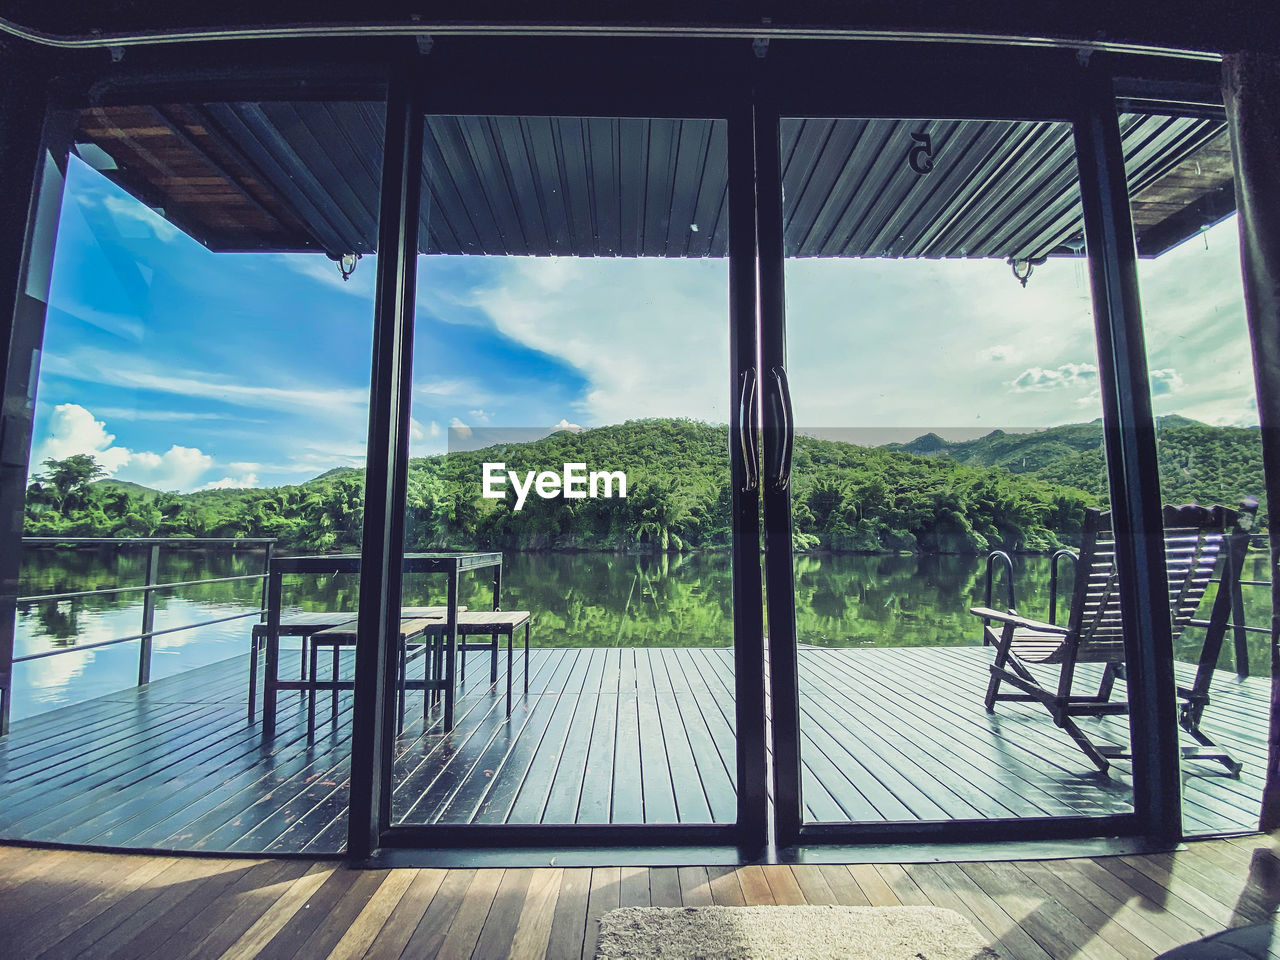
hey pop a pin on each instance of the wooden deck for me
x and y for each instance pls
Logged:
(614, 735)
(56, 905)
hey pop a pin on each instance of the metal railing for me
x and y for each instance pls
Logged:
(149, 588)
(1239, 629)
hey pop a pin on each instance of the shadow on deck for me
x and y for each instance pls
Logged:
(605, 735)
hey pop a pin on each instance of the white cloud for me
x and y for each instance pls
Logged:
(650, 336)
(318, 267)
(331, 455)
(121, 325)
(930, 345)
(139, 215)
(458, 427)
(231, 483)
(554, 274)
(163, 416)
(1165, 381)
(72, 429)
(426, 390)
(1195, 330)
(424, 438)
(1000, 353)
(1067, 375)
(127, 370)
(178, 468)
(480, 415)
(564, 424)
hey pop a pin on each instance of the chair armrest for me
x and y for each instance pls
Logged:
(1004, 616)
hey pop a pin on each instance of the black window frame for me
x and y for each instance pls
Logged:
(751, 86)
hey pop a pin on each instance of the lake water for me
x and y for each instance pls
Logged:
(581, 599)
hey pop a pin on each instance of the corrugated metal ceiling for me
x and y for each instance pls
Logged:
(304, 176)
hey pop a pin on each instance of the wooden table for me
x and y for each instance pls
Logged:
(452, 565)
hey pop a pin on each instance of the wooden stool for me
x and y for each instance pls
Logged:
(295, 625)
(345, 636)
(493, 624)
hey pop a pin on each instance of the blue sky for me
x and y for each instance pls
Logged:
(182, 369)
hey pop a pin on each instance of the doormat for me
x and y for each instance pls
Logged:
(789, 933)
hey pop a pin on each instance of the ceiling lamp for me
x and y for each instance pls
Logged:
(1023, 267)
(346, 263)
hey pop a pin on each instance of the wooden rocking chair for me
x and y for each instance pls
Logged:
(1195, 538)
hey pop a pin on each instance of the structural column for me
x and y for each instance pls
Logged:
(1251, 93)
(744, 469)
(386, 471)
(29, 207)
(776, 495)
(1133, 470)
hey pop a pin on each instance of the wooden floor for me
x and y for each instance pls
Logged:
(613, 735)
(60, 904)
(900, 734)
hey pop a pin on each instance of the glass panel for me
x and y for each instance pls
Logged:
(571, 343)
(943, 366)
(201, 406)
(1202, 387)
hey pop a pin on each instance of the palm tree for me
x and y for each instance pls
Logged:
(662, 514)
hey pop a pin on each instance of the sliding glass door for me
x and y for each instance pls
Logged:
(934, 393)
(582, 345)
(937, 401)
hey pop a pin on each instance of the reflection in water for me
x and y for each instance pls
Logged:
(577, 599)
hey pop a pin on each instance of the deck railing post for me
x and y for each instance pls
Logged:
(266, 575)
(148, 613)
(1239, 635)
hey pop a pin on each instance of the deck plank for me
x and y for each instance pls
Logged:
(619, 735)
(655, 770)
(210, 909)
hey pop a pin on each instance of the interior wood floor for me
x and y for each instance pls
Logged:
(605, 736)
(58, 904)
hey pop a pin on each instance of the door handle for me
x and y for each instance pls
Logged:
(746, 431)
(782, 475)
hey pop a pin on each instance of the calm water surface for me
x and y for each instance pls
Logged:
(597, 600)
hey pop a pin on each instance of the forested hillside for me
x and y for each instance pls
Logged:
(1015, 491)
(1197, 462)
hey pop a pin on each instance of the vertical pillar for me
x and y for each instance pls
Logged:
(744, 472)
(267, 552)
(386, 471)
(1130, 443)
(29, 207)
(148, 614)
(1251, 92)
(784, 667)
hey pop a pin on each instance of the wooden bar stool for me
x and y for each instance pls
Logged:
(335, 638)
(484, 623)
(302, 624)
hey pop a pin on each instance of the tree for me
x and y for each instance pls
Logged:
(65, 484)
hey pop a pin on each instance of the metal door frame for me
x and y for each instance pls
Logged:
(458, 79)
(821, 80)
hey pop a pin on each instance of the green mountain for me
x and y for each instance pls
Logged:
(128, 488)
(1015, 452)
(1015, 491)
(1198, 462)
